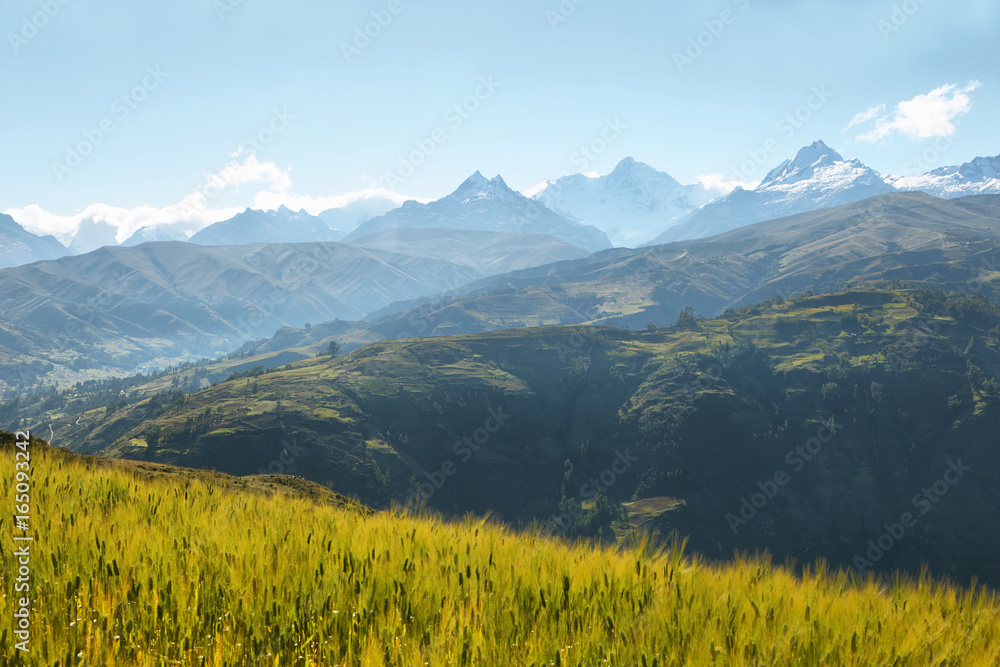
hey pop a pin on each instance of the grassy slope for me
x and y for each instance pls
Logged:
(132, 569)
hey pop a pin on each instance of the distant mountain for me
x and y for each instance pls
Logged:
(489, 252)
(817, 177)
(19, 246)
(349, 217)
(121, 307)
(912, 237)
(487, 205)
(632, 204)
(278, 226)
(154, 234)
(981, 176)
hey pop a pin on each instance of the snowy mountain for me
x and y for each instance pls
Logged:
(817, 177)
(981, 176)
(632, 204)
(487, 205)
(279, 226)
(154, 234)
(19, 246)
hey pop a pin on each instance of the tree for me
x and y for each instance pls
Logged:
(687, 319)
(333, 349)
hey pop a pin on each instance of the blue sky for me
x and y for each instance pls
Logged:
(538, 81)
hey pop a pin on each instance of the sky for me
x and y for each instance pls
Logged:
(151, 112)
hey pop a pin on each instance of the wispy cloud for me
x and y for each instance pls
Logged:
(717, 184)
(925, 116)
(866, 115)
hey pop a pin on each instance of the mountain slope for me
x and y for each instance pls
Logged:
(632, 204)
(487, 205)
(897, 383)
(18, 246)
(899, 236)
(817, 177)
(488, 252)
(279, 226)
(910, 237)
(124, 306)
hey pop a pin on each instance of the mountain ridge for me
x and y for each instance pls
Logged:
(491, 205)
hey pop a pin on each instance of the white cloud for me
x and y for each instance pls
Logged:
(866, 115)
(200, 208)
(268, 200)
(716, 184)
(924, 117)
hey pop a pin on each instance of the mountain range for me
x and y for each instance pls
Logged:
(488, 205)
(122, 308)
(909, 237)
(981, 176)
(634, 204)
(19, 246)
(279, 226)
(817, 177)
(897, 236)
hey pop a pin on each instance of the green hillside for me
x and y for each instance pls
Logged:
(177, 567)
(570, 426)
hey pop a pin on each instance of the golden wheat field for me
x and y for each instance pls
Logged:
(132, 568)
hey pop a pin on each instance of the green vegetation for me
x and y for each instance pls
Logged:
(139, 566)
(708, 411)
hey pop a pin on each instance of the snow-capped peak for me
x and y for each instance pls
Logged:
(632, 174)
(804, 165)
(626, 164)
(478, 186)
(979, 169)
(630, 204)
(817, 177)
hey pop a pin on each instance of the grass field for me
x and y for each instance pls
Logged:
(149, 565)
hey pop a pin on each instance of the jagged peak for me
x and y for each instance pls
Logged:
(805, 163)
